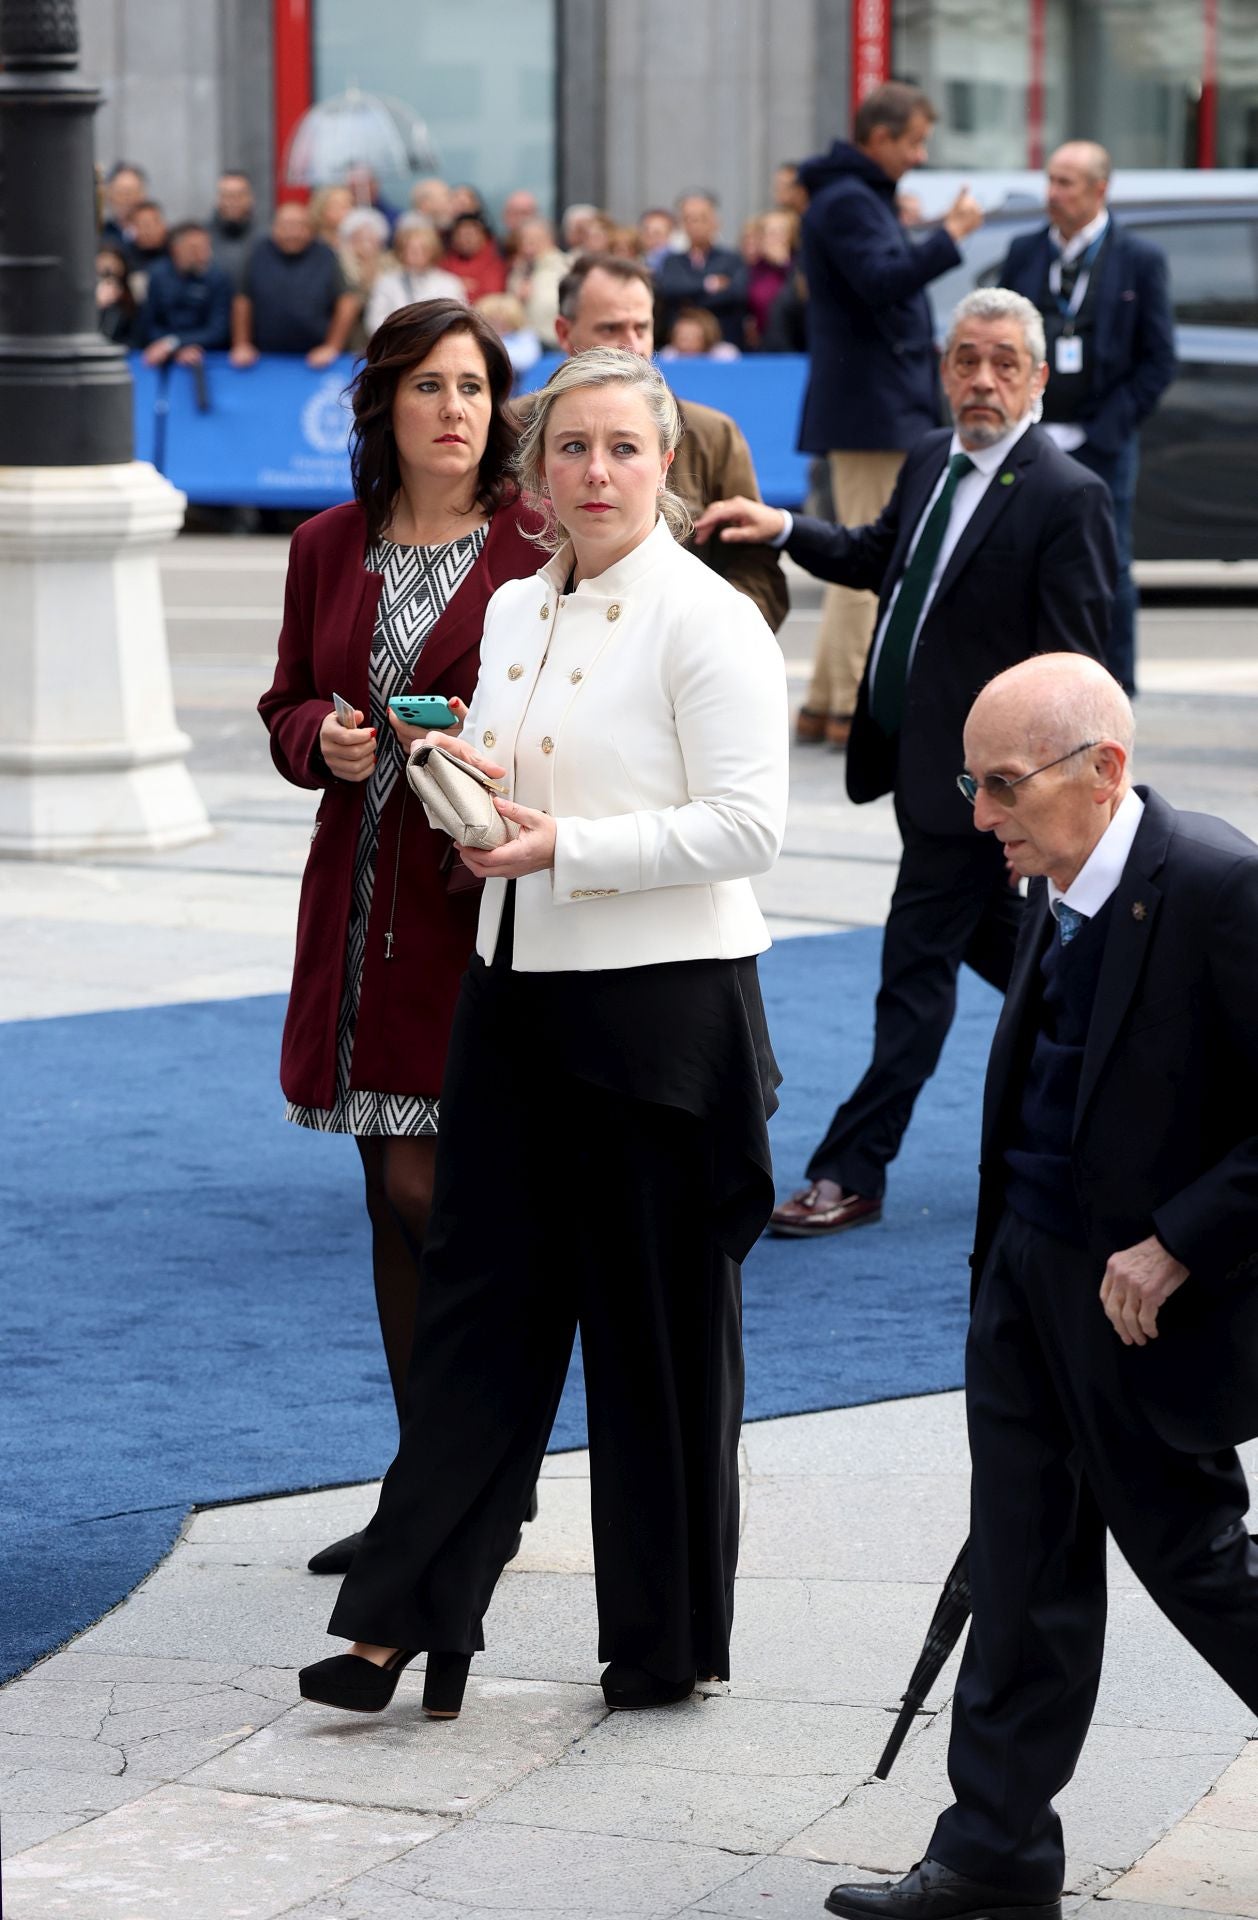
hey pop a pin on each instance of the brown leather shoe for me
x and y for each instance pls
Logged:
(838, 730)
(810, 727)
(822, 1207)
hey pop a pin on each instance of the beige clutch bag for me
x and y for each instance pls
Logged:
(458, 799)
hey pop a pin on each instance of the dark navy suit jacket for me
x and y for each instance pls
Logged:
(195, 306)
(872, 382)
(1166, 1124)
(1033, 572)
(1133, 341)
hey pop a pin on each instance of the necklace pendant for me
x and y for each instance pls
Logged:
(388, 945)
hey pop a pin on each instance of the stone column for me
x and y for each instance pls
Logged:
(90, 757)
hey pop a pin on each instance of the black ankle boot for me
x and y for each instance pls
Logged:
(336, 1558)
(626, 1688)
(350, 1682)
(444, 1681)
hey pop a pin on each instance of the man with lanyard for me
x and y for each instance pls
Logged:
(1105, 301)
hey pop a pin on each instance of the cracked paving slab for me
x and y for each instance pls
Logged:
(133, 1779)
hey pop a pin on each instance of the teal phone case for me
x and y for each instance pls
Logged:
(423, 710)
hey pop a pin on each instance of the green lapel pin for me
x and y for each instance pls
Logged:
(1006, 479)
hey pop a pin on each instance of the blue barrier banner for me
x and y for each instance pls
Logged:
(764, 393)
(271, 435)
(276, 434)
(147, 383)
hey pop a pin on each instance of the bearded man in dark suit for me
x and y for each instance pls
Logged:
(994, 546)
(1112, 1361)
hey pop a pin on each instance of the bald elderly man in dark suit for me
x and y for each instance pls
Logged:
(1112, 1361)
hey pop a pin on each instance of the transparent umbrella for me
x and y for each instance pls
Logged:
(357, 129)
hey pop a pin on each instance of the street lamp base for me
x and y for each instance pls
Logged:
(91, 760)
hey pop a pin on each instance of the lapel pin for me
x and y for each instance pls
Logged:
(1006, 479)
(1138, 910)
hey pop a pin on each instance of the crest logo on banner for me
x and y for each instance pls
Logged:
(325, 418)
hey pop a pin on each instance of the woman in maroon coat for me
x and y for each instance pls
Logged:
(385, 596)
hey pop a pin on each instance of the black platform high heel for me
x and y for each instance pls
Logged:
(444, 1680)
(352, 1683)
(627, 1688)
(337, 1557)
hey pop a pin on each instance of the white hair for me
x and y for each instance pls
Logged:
(1001, 303)
(361, 219)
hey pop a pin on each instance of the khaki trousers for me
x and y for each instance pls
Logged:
(862, 484)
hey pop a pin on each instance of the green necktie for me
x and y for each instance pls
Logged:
(886, 702)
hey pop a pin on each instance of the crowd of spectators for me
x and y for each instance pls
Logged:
(327, 272)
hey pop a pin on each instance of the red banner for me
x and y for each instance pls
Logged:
(871, 47)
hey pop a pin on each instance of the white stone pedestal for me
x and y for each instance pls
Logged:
(91, 760)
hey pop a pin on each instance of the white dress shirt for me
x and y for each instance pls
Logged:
(1103, 868)
(1068, 433)
(970, 490)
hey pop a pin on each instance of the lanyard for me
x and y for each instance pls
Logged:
(1069, 308)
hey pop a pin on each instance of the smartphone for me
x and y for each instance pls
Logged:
(345, 710)
(423, 710)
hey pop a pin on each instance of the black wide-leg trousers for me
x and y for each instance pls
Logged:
(562, 1204)
(1062, 1450)
(952, 904)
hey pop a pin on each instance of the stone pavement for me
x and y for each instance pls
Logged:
(163, 1766)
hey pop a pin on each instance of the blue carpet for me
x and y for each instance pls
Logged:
(185, 1307)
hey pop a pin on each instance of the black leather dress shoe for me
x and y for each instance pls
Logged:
(931, 1891)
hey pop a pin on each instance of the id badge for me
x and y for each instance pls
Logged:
(1069, 357)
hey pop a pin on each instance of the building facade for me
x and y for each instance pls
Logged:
(628, 105)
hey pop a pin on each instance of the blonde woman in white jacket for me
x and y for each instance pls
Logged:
(603, 1162)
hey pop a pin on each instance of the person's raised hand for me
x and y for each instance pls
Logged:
(531, 851)
(963, 215)
(350, 752)
(740, 519)
(409, 735)
(1138, 1281)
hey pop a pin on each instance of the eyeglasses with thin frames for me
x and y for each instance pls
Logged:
(996, 787)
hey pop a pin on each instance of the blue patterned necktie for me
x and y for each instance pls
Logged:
(1068, 922)
(886, 695)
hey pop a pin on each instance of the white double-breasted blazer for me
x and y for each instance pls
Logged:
(646, 711)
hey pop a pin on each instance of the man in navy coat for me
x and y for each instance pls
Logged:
(994, 546)
(872, 391)
(1112, 1361)
(187, 309)
(1105, 299)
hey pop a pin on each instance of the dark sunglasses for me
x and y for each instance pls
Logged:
(996, 787)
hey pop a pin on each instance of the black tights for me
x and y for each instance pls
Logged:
(398, 1173)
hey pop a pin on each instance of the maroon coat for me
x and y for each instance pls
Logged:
(407, 1002)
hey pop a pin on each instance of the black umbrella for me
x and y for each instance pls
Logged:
(947, 1621)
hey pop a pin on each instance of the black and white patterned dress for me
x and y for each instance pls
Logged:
(419, 583)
